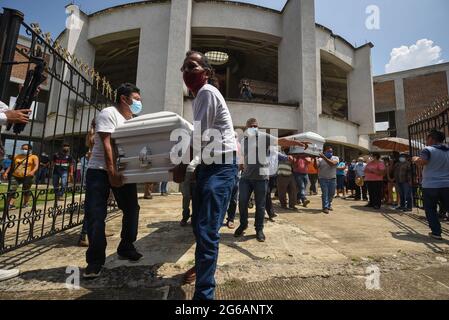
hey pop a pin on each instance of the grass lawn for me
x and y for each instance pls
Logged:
(50, 197)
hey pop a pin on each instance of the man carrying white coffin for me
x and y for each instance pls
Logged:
(102, 175)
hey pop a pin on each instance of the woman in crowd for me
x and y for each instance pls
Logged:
(374, 177)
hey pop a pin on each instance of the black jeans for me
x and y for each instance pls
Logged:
(313, 178)
(96, 205)
(431, 199)
(375, 193)
(246, 187)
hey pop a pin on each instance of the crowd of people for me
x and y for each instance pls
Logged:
(213, 192)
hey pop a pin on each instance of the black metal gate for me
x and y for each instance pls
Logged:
(436, 117)
(68, 100)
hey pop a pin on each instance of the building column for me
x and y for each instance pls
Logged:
(179, 42)
(401, 124)
(61, 100)
(361, 91)
(298, 62)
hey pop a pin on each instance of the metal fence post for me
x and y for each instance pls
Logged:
(9, 33)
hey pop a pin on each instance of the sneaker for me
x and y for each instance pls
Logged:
(436, 237)
(8, 274)
(399, 208)
(230, 225)
(83, 242)
(305, 203)
(408, 210)
(240, 231)
(326, 211)
(92, 271)
(260, 236)
(148, 197)
(293, 208)
(131, 255)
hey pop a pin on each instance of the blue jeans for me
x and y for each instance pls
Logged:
(431, 199)
(42, 175)
(96, 209)
(214, 184)
(234, 201)
(328, 187)
(260, 188)
(63, 176)
(405, 192)
(301, 181)
(164, 187)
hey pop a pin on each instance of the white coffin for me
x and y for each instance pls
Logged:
(316, 143)
(144, 146)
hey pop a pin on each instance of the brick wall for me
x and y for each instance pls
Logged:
(384, 96)
(420, 92)
(19, 71)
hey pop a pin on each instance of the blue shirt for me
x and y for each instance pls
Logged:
(359, 169)
(6, 163)
(436, 172)
(341, 172)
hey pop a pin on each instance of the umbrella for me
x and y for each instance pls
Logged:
(397, 144)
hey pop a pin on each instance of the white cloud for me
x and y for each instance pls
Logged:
(421, 54)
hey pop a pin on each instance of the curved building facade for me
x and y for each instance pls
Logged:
(302, 76)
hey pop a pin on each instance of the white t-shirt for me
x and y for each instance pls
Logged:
(211, 112)
(106, 122)
(3, 107)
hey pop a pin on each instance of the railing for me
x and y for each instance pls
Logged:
(436, 117)
(71, 101)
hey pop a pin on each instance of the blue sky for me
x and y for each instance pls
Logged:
(402, 24)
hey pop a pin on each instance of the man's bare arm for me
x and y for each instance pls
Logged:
(115, 178)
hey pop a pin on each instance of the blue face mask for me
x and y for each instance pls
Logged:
(329, 155)
(136, 107)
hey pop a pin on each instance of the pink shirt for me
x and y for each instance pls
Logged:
(369, 176)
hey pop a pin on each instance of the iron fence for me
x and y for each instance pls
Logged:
(62, 113)
(436, 117)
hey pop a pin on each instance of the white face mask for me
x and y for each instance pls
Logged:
(402, 160)
(252, 131)
(24, 152)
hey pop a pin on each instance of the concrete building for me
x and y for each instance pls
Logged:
(302, 75)
(400, 97)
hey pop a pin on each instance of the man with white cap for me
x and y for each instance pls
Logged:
(11, 116)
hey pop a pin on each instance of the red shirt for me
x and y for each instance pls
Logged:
(301, 165)
(370, 176)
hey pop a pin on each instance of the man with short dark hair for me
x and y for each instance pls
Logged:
(435, 183)
(102, 175)
(255, 175)
(62, 171)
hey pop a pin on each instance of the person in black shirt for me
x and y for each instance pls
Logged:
(62, 171)
(44, 162)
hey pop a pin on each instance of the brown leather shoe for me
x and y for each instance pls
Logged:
(190, 276)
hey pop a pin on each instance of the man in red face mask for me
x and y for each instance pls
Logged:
(215, 176)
